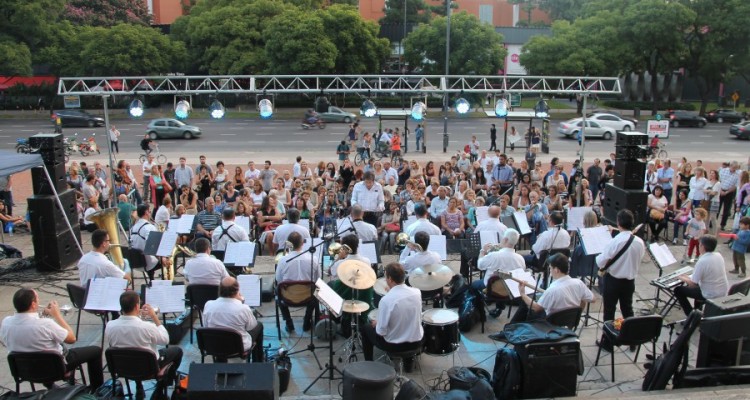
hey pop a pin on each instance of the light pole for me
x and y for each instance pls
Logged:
(105, 98)
(401, 63)
(447, 72)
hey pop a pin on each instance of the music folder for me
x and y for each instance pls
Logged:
(239, 254)
(152, 243)
(103, 294)
(329, 298)
(595, 240)
(519, 217)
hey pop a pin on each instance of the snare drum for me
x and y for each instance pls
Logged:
(373, 315)
(380, 289)
(440, 331)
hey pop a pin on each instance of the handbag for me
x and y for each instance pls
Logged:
(656, 215)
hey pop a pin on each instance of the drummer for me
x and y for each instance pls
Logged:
(399, 325)
(416, 255)
(296, 267)
(366, 231)
(348, 252)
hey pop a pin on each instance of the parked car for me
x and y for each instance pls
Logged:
(77, 118)
(571, 127)
(741, 130)
(723, 115)
(336, 114)
(170, 127)
(611, 120)
(616, 114)
(684, 118)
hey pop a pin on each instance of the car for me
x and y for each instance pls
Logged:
(616, 114)
(571, 127)
(684, 118)
(722, 115)
(171, 128)
(77, 118)
(741, 130)
(336, 114)
(611, 121)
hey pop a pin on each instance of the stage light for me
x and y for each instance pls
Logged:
(368, 109)
(501, 108)
(541, 109)
(182, 109)
(217, 110)
(462, 106)
(266, 108)
(418, 111)
(136, 108)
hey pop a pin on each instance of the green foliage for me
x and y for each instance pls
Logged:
(417, 11)
(475, 46)
(297, 44)
(568, 10)
(645, 105)
(29, 21)
(106, 12)
(359, 50)
(16, 59)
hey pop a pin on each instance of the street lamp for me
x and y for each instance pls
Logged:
(216, 109)
(368, 109)
(462, 106)
(265, 107)
(541, 109)
(182, 109)
(501, 108)
(136, 108)
(418, 111)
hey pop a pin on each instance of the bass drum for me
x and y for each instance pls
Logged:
(440, 331)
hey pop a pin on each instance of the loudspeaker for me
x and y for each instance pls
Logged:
(56, 156)
(631, 139)
(549, 369)
(46, 141)
(40, 184)
(630, 153)
(45, 215)
(732, 304)
(55, 251)
(629, 174)
(257, 381)
(616, 199)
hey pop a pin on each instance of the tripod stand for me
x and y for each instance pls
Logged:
(330, 368)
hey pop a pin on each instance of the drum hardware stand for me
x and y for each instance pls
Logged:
(355, 338)
(330, 367)
(588, 316)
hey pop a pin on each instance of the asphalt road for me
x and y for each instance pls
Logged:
(238, 140)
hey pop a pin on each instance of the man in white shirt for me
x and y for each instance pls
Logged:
(369, 195)
(164, 212)
(184, 175)
(296, 267)
(227, 232)
(709, 279)
(251, 173)
(229, 311)
(139, 234)
(296, 168)
(555, 237)
(365, 231)
(390, 172)
(26, 332)
(146, 169)
(416, 255)
(349, 251)
(439, 204)
(505, 260)
(492, 224)
(564, 292)
(130, 331)
(422, 224)
(204, 269)
(399, 325)
(95, 264)
(283, 231)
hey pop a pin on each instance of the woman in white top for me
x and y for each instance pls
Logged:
(697, 186)
(657, 212)
(281, 192)
(650, 180)
(713, 191)
(257, 194)
(93, 207)
(221, 175)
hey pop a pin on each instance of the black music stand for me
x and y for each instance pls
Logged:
(592, 278)
(470, 254)
(656, 299)
(330, 367)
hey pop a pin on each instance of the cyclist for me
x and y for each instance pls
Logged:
(147, 144)
(654, 145)
(311, 117)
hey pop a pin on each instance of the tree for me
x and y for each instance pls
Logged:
(107, 12)
(297, 44)
(483, 54)
(360, 50)
(29, 22)
(568, 10)
(527, 6)
(16, 58)
(417, 12)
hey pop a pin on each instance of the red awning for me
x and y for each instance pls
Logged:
(10, 81)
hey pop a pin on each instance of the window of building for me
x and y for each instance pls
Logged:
(485, 13)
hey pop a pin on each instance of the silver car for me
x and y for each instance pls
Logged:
(171, 128)
(612, 121)
(571, 127)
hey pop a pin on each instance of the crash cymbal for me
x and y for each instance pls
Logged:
(356, 274)
(355, 306)
(430, 277)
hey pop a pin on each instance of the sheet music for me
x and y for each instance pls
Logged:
(662, 254)
(521, 222)
(319, 251)
(514, 138)
(160, 282)
(487, 237)
(438, 244)
(167, 243)
(595, 239)
(575, 218)
(240, 254)
(369, 250)
(250, 288)
(329, 297)
(523, 275)
(482, 213)
(182, 225)
(342, 224)
(104, 294)
(410, 220)
(169, 299)
(304, 222)
(243, 222)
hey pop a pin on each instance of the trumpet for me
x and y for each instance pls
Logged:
(403, 240)
(490, 248)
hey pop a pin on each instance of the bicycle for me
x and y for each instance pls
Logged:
(361, 157)
(160, 158)
(382, 150)
(659, 152)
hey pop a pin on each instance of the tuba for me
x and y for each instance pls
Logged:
(403, 240)
(168, 270)
(107, 219)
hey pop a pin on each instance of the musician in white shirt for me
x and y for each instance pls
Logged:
(349, 251)
(369, 195)
(416, 255)
(139, 234)
(364, 230)
(505, 260)
(708, 281)
(296, 267)
(95, 264)
(422, 224)
(553, 238)
(283, 231)
(492, 224)
(164, 212)
(204, 269)
(227, 232)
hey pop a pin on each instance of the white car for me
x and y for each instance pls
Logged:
(612, 121)
(571, 127)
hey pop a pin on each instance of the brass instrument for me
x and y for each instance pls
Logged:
(168, 269)
(493, 248)
(333, 249)
(403, 240)
(107, 219)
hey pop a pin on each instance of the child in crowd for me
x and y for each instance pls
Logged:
(696, 227)
(739, 247)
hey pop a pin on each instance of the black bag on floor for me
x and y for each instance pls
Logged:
(506, 375)
(474, 380)
(61, 393)
(410, 390)
(110, 389)
(283, 366)
(458, 290)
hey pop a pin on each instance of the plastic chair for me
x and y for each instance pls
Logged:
(77, 296)
(634, 331)
(137, 365)
(740, 287)
(221, 343)
(198, 296)
(293, 294)
(39, 367)
(567, 318)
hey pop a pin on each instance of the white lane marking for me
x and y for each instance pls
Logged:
(218, 141)
(705, 136)
(300, 133)
(697, 142)
(228, 134)
(4, 136)
(264, 134)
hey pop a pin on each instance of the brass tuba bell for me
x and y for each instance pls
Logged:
(334, 248)
(107, 219)
(403, 240)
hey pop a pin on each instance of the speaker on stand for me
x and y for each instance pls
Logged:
(626, 190)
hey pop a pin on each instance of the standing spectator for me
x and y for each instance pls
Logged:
(493, 138)
(503, 174)
(730, 178)
(396, 145)
(739, 247)
(650, 180)
(664, 177)
(169, 177)
(114, 139)
(252, 173)
(267, 175)
(697, 184)
(297, 167)
(713, 187)
(342, 150)
(158, 186)
(183, 175)
(202, 163)
(474, 148)
(419, 133)
(696, 228)
(146, 168)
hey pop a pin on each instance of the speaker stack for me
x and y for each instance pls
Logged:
(626, 190)
(54, 243)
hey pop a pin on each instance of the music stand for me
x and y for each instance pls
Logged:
(333, 305)
(661, 257)
(470, 253)
(240, 255)
(371, 252)
(593, 248)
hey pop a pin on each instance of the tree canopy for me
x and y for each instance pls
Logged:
(106, 12)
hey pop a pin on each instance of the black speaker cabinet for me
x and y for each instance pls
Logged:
(45, 215)
(40, 184)
(616, 199)
(257, 381)
(52, 156)
(630, 153)
(549, 369)
(625, 138)
(46, 141)
(629, 174)
(56, 251)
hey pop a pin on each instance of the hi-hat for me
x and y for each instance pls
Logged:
(356, 274)
(430, 277)
(355, 306)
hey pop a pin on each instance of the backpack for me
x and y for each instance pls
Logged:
(110, 389)
(474, 380)
(506, 375)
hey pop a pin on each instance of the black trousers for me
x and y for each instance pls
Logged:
(617, 290)
(493, 145)
(370, 217)
(92, 357)
(313, 306)
(726, 203)
(370, 339)
(522, 314)
(682, 293)
(115, 146)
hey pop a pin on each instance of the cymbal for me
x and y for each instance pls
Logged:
(430, 277)
(355, 306)
(356, 274)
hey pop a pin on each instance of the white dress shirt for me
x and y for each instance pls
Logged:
(234, 233)
(438, 206)
(283, 232)
(422, 225)
(297, 269)
(391, 173)
(335, 266)
(491, 225)
(96, 265)
(162, 215)
(400, 315)
(696, 188)
(131, 331)
(232, 314)
(627, 266)
(204, 270)
(138, 235)
(252, 174)
(366, 232)
(26, 332)
(412, 259)
(504, 260)
(553, 238)
(564, 292)
(711, 275)
(369, 199)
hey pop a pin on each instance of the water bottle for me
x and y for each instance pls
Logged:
(10, 230)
